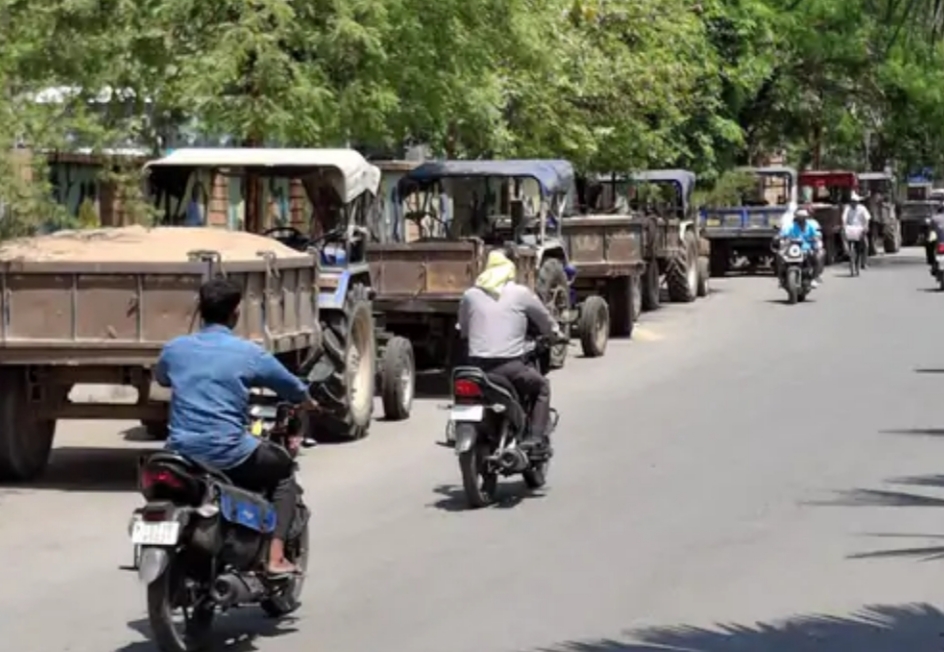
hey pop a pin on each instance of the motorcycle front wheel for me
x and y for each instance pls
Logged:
(792, 284)
(167, 595)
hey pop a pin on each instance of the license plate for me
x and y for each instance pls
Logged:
(467, 412)
(159, 533)
(712, 222)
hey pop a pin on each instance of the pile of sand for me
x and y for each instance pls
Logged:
(140, 244)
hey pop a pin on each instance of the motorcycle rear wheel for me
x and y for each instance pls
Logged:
(163, 599)
(290, 600)
(480, 484)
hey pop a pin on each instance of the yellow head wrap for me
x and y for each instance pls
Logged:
(498, 271)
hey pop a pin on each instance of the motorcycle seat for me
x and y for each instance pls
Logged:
(169, 457)
(492, 383)
(500, 383)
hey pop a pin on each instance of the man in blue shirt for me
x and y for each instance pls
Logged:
(210, 373)
(807, 230)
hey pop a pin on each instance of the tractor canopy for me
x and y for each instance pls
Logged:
(553, 177)
(349, 173)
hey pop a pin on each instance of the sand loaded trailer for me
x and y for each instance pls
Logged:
(96, 307)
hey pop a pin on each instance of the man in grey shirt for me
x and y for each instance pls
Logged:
(494, 316)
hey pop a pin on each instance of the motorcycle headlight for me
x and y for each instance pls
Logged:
(793, 251)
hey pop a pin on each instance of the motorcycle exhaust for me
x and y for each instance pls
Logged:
(513, 460)
(231, 589)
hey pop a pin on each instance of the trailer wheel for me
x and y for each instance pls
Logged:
(703, 275)
(342, 380)
(621, 305)
(397, 379)
(594, 326)
(25, 439)
(892, 239)
(553, 290)
(682, 272)
(651, 287)
(719, 260)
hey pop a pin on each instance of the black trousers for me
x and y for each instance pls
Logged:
(528, 382)
(270, 470)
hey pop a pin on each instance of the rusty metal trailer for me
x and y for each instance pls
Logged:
(606, 254)
(83, 322)
(438, 246)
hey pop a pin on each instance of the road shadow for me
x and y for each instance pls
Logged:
(933, 480)
(899, 260)
(878, 498)
(915, 432)
(238, 631)
(89, 468)
(919, 553)
(876, 628)
(929, 370)
(137, 434)
(783, 301)
(510, 494)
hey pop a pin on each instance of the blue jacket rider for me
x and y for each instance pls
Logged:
(210, 373)
(807, 231)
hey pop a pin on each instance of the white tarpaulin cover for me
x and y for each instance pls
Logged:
(354, 174)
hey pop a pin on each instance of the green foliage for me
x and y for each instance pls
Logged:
(729, 190)
(612, 86)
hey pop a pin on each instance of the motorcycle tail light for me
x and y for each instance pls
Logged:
(466, 389)
(164, 477)
(164, 483)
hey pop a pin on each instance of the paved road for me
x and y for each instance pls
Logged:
(687, 494)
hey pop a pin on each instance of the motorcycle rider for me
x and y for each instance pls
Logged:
(936, 225)
(494, 316)
(804, 229)
(855, 224)
(210, 373)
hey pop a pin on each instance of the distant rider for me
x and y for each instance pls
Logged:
(855, 224)
(930, 244)
(210, 373)
(805, 229)
(494, 316)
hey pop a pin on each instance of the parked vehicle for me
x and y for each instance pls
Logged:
(881, 198)
(918, 206)
(745, 231)
(447, 215)
(119, 297)
(829, 192)
(204, 542)
(340, 189)
(488, 420)
(650, 234)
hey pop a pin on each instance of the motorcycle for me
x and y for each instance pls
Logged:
(203, 541)
(935, 255)
(489, 421)
(795, 270)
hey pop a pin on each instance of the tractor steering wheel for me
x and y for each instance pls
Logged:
(289, 236)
